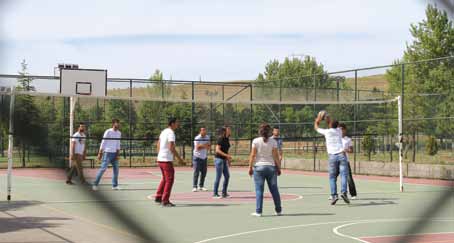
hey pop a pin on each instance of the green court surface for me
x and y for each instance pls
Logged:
(45, 209)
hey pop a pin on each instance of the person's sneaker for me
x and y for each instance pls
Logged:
(330, 198)
(203, 189)
(225, 195)
(69, 183)
(158, 200)
(353, 198)
(345, 198)
(194, 189)
(334, 200)
(216, 196)
(256, 214)
(116, 188)
(168, 205)
(94, 188)
(279, 213)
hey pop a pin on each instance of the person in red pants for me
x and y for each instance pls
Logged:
(166, 154)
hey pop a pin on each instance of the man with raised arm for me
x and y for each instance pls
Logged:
(337, 162)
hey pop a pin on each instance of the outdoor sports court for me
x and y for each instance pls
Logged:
(44, 209)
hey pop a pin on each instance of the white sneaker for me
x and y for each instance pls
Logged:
(256, 214)
(194, 189)
(330, 198)
(353, 198)
(94, 188)
(203, 189)
(279, 214)
(117, 188)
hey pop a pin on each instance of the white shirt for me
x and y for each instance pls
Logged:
(79, 145)
(333, 137)
(199, 140)
(264, 154)
(165, 138)
(346, 143)
(112, 143)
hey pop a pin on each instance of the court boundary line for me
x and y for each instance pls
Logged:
(337, 228)
(305, 225)
(433, 233)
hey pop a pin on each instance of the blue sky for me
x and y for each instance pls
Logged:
(217, 40)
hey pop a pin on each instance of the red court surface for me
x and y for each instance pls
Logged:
(419, 238)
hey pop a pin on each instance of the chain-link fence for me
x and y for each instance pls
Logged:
(42, 122)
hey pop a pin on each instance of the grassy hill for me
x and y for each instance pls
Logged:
(238, 91)
(370, 82)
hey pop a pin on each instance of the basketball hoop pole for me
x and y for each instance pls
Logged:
(401, 143)
(72, 104)
(10, 144)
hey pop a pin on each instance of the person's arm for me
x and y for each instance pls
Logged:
(103, 144)
(73, 146)
(219, 151)
(277, 161)
(174, 151)
(118, 143)
(252, 159)
(85, 150)
(317, 122)
(350, 147)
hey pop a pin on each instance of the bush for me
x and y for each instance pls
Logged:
(368, 145)
(431, 146)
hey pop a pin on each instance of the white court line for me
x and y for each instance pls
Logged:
(306, 225)
(336, 229)
(433, 233)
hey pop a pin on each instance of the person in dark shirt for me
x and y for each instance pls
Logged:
(222, 161)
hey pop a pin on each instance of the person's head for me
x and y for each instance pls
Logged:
(115, 124)
(203, 131)
(81, 127)
(276, 131)
(265, 131)
(224, 132)
(344, 129)
(173, 123)
(333, 123)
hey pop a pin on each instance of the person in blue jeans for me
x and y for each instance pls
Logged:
(337, 161)
(222, 161)
(109, 152)
(199, 161)
(265, 165)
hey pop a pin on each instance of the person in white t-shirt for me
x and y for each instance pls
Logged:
(166, 153)
(348, 148)
(78, 154)
(109, 152)
(337, 162)
(199, 161)
(265, 165)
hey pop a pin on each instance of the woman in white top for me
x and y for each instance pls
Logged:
(264, 164)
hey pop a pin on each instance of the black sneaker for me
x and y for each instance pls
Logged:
(345, 198)
(69, 183)
(225, 195)
(334, 200)
(168, 204)
(216, 196)
(158, 200)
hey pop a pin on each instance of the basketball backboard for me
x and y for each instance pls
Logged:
(83, 82)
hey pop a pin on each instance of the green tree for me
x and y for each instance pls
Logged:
(432, 146)
(27, 126)
(433, 37)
